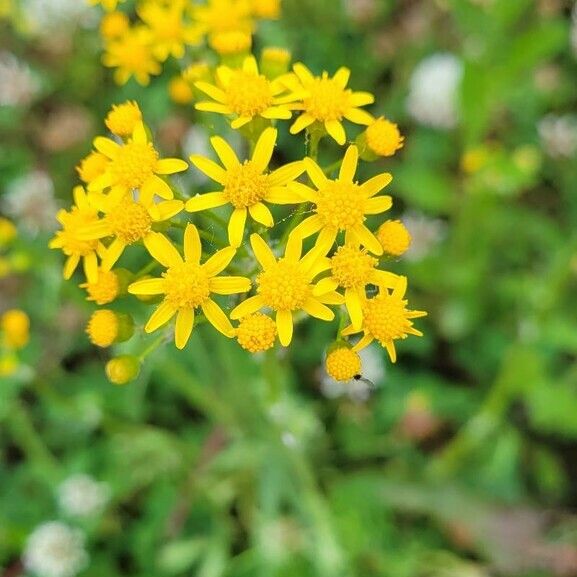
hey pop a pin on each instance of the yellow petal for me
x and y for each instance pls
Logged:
(183, 327)
(240, 121)
(108, 147)
(70, 266)
(361, 98)
(353, 303)
(147, 286)
(336, 130)
(287, 172)
(261, 214)
(163, 313)
(247, 307)
(213, 107)
(162, 250)
(303, 73)
(316, 309)
(216, 317)
(284, 325)
(375, 184)
(209, 167)
(390, 346)
(206, 201)
(236, 226)
(365, 237)
(358, 116)
(249, 65)
(325, 285)
(307, 227)
(90, 263)
(342, 76)
(229, 285)
(276, 113)
(401, 287)
(302, 122)
(384, 278)
(262, 251)
(170, 166)
(192, 246)
(139, 133)
(225, 152)
(305, 192)
(282, 195)
(378, 204)
(219, 261)
(112, 254)
(365, 341)
(155, 186)
(264, 149)
(211, 90)
(349, 164)
(315, 173)
(167, 209)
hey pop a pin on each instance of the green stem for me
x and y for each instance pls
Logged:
(152, 347)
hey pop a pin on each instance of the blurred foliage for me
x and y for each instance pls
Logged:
(461, 463)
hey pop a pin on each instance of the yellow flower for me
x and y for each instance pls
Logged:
(353, 269)
(132, 55)
(107, 327)
(341, 204)
(180, 90)
(15, 327)
(8, 231)
(286, 286)
(383, 137)
(69, 241)
(246, 186)
(196, 71)
(267, 9)
(108, 5)
(256, 333)
(123, 118)
(187, 285)
(246, 94)
(394, 237)
(386, 318)
(223, 15)
(343, 363)
(129, 222)
(135, 165)
(170, 32)
(105, 289)
(114, 24)
(230, 42)
(327, 101)
(123, 369)
(274, 62)
(92, 166)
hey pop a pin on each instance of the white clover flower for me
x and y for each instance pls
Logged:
(558, 134)
(30, 201)
(18, 84)
(55, 550)
(357, 390)
(432, 98)
(82, 496)
(426, 233)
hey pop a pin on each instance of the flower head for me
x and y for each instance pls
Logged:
(187, 285)
(267, 9)
(386, 319)
(287, 285)
(343, 363)
(82, 496)
(14, 328)
(383, 137)
(246, 186)
(246, 94)
(256, 332)
(123, 118)
(394, 237)
(342, 204)
(327, 101)
(231, 42)
(105, 289)
(114, 24)
(216, 16)
(92, 166)
(135, 165)
(102, 328)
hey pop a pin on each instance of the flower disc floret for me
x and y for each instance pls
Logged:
(105, 289)
(343, 364)
(134, 164)
(256, 332)
(246, 185)
(284, 286)
(394, 237)
(341, 205)
(123, 118)
(129, 221)
(352, 267)
(102, 328)
(249, 94)
(327, 100)
(186, 285)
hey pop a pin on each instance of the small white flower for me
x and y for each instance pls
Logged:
(82, 496)
(30, 201)
(55, 550)
(426, 233)
(432, 98)
(18, 84)
(558, 135)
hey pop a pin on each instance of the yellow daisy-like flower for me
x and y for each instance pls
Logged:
(256, 333)
(287, 285)
(342, 204)
(92, 166)
(187, 285)
(170, 32)
(247, 186)
(386, 319)
(105, 289)
(343, 363)
(353, 269)
(108, 5)
(132, 54)
(328, 101)
(218, 16)
(128, 221)
(230, 42)
(69, 239)
(246, 94)
(114, 24)
(135, 165)
(383, 137)
(123, 118)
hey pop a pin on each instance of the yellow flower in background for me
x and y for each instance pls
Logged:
(287, 286)
(266, 9)
(274, 61)
(342, 204)
(132, 54)
(170, 32)
(8, 231)
(352, 268)
(69, 240)
(92, 166)
(135, 165)
(327, 102)
(386, 319)
(256, 333)
(108, 5)
(394, 237)
(383, 137)
(246, 94)
(114, 25)
(15, 328)
(128, 221)
(223, 16)
(106, 327)
(105, 289)
(247, 186)
(123, 118)
(180, 90)
(187, 285)
(231, 42)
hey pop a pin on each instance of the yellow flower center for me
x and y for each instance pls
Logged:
(342, 364)
(351, 267)
(385, 317)
(186, 286)
(129, 221)
(394, 237)
(72, 222)
(92, 166)
(245, 185)
(105, 289)
(284, 287)
(340, 205)
(102, 328)
(256, 332)
(248, 94)
(383, 137)
(134, 164)
(327, 100)
(123, 118)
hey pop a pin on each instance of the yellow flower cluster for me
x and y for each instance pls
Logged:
(264, 243)
(14, 335)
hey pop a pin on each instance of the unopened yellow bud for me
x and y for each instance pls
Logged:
(15, 327)
(123, 369)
